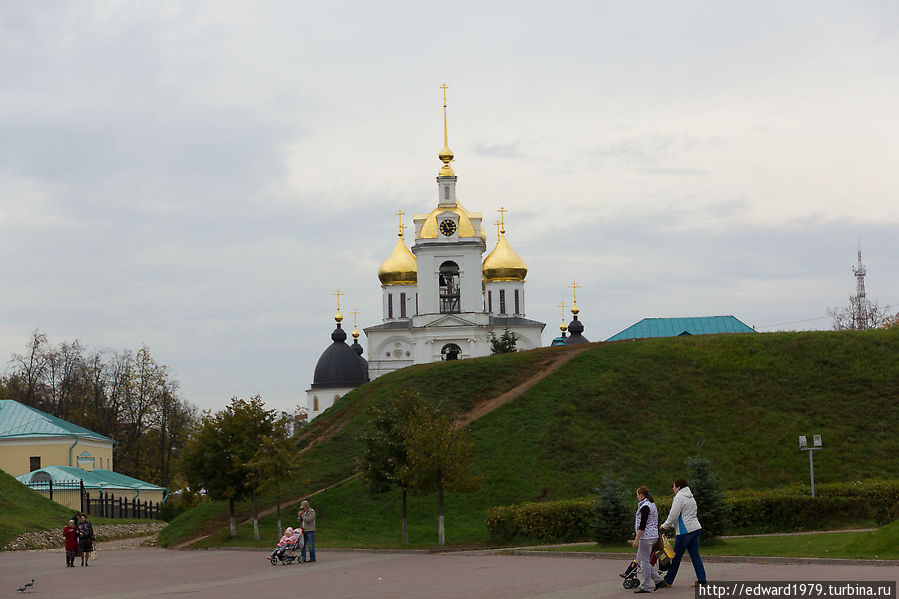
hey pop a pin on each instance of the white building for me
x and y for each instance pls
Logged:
(441, 300)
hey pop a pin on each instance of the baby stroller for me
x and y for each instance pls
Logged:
(662, 553)
(290, 552)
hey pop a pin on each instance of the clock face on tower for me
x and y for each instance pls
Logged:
(447, 227)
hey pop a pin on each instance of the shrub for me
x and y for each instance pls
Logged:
(550, 522)
(713, 511)
(612, 514)
(786, 509)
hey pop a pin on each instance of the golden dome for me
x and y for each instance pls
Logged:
(429, 228)
(400, 267)
(503, 264)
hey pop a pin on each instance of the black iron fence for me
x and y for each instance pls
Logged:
(72, 494)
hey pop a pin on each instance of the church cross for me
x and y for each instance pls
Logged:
(502, 220)
(355, 314)
(562, 305)
(338, 293)
(400, 214)
(444, 87)
(573, 288)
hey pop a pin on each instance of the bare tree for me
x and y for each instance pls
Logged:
(860, 314)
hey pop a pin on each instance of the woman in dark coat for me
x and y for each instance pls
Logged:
(70, 532)
(85, 539)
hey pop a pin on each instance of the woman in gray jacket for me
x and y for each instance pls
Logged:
(683, 514)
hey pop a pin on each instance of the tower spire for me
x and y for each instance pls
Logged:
(446, 155)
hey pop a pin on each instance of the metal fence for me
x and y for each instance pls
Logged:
(72, 494)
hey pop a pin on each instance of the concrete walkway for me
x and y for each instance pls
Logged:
(131, 573)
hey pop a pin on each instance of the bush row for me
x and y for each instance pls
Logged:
(785, 509)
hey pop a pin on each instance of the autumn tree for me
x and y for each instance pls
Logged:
(218, 453)
(127, 396)
(274, 464)
(385, 457)
(439, 457)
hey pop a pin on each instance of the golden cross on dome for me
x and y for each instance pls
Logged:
(562, 305)
(444, 87)
(355, 314)
(338, 293)
(496, 224)
(573, 288)
(502, 219)
(400, 214)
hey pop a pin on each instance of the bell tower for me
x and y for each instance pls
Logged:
(448, 247)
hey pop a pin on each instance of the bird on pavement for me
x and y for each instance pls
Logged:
(25, 586)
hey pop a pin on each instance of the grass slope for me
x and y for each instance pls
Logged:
(632, 409)
(22, 510)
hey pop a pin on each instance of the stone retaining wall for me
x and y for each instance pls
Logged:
(52, 539)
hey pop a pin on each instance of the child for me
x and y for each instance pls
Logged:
(289, 538)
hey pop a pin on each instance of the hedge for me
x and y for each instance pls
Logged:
(786, 509)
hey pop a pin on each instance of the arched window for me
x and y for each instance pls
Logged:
(451, 351)
(449, 288)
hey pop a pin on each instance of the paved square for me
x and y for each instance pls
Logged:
(151, 572)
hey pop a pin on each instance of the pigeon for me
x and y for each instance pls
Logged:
(25, 586)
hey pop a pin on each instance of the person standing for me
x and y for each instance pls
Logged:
(306, 516)
(70, 532)
(646, 534)
(688, 531)
(85, 539)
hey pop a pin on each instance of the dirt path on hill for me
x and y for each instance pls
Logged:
(480, 410)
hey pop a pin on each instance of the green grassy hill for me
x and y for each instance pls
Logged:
(635, 409)
(21, 510)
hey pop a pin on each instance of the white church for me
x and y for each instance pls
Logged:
(441, 301)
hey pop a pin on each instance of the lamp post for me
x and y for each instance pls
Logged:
(804, 446)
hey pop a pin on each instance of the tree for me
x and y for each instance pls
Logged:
(128, 397)
(385, 457)
(707, 488)
(439, 457)
(218, 452)
(505, 344)
(611, 512)
(891, 321)
(861, 314)
(274, 465)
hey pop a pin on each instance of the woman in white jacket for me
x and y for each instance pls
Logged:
(683, 515)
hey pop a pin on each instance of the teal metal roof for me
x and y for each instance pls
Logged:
(20, 421)
(674, 327)
(94, 479)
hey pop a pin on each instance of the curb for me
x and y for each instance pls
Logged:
(722, 559)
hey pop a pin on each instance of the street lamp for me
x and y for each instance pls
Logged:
(803, 446)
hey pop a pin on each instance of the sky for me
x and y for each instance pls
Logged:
(200, 177)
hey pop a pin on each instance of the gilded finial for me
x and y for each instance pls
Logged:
(496, 224)
(573, 287)
(402, 227)
(338, 317)
(563, 327)
(446, 155)
(502, 220)
(355, 319)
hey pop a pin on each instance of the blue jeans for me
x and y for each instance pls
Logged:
(688, 542)
(308, 541)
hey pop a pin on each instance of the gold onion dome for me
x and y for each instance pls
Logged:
(503, 264)
(400, 267)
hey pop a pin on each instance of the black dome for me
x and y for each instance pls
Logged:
(340, 365)
(576, 328)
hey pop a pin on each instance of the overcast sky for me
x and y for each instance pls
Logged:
(200, 177)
